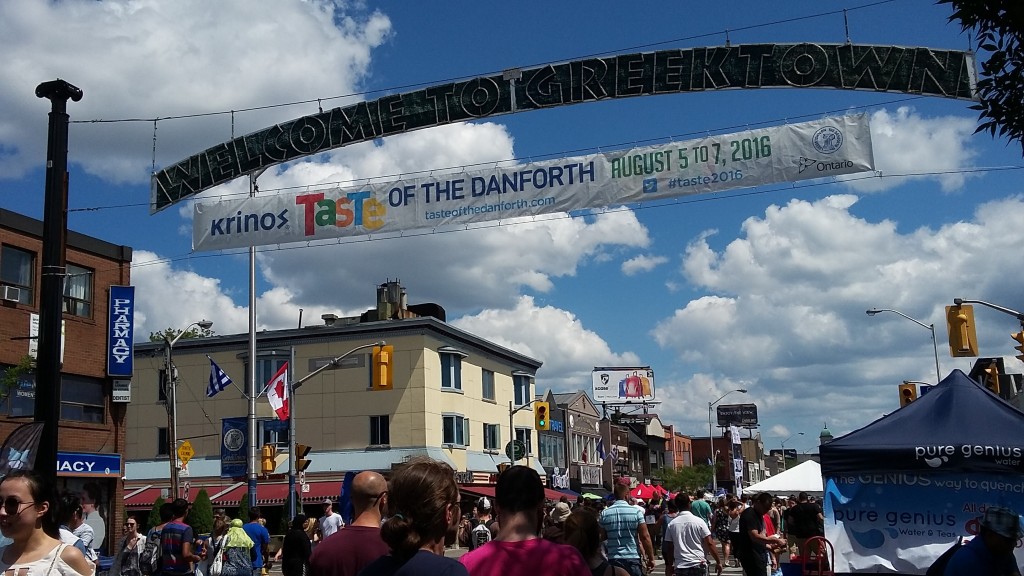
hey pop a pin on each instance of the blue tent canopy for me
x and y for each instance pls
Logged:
(959, 426)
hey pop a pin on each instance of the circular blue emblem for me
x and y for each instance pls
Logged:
(827, 140)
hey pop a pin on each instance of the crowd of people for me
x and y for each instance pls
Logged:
(403, 525)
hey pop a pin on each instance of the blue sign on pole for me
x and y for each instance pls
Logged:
(234, 440)
(120, 330)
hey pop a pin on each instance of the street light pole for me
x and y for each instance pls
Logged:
(171, 391)
(935, 346)
(711, 440)
(784, 448)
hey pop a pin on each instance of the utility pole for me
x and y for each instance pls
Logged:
(51, 310)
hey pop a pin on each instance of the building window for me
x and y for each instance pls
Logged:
(552, 451)
(380, 431)
(521, 383)
(78, 291)
(161, 388)
(273, 431)
(454, 430)
(161, 442)
(82, 399)
(267, 366)
(492, 436)
(18, 269)
(451, 371)
(525, 435)
(20, 399)
(584, 449)
(487, 384)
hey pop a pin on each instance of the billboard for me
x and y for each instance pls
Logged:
(827, 147)
(742, 415)
(623, 385)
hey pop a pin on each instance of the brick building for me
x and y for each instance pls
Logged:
(92, 433)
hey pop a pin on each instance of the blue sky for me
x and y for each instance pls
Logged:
(763, 288)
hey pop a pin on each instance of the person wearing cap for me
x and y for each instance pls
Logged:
(991, 551)
(483, 516)
(555, 532)
(330, 522)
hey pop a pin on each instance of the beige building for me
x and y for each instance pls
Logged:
(450, 401)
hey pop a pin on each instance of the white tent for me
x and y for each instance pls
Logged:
(805, 477)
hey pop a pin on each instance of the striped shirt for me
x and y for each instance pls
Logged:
(621, 521)
(172, 540)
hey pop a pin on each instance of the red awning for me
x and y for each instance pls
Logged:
(277, 493)
(488, 491)
(143, 499)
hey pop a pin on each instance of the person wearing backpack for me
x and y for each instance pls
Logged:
(176, 540)
(483, 528)
(149, 560)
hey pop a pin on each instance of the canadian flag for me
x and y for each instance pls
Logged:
(277, 392)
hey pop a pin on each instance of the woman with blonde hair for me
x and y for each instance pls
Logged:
(423, 510)
(28, 516)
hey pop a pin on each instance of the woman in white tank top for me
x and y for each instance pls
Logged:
(28, 517)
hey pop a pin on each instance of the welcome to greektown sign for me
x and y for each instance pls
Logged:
(943, 73)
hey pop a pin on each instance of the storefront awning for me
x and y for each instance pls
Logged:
(277, 493)
(549, 493)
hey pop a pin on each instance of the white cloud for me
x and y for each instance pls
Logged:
(642, 263)
(554, 336)
(173, 58)
(787, 299)
(904, 142)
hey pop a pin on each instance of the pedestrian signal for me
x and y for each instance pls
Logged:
(990, 378)
(541, 416)
(908, 393)
(268, 458)
(963, 339)
(1019, 337)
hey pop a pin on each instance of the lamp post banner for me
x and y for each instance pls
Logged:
(822, 148)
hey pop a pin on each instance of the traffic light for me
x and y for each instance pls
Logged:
(1019, 337)
(541, 416)
(990, 377)
(268, 459)
(963, 339)
(383, 367)
(908, 393)
(301, 450)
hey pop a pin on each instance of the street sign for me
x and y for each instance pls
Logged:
(305, 488)
(185, 452)
(515, 450)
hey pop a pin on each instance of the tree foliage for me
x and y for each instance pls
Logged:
(172, 333)
(154, 514)
(200, 517)
(243, 508)
(998, 25)
(687, 478)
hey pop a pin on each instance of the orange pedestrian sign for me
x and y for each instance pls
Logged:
(185, 452)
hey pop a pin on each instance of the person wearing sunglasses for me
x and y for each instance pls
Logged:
(128, 551)
(28, 516)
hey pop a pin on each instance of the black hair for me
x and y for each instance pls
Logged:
(166, 512)
(519, 489)
(70, 504)
(255, 513)
(179, 507)
(682, 501)
(42, 490)
(299, 522)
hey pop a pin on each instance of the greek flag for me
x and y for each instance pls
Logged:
(219, 380)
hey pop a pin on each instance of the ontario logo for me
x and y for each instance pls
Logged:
(822, 165)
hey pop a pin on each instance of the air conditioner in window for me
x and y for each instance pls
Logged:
(10, 293)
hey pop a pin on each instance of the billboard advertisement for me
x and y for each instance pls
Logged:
(827, 147)
(742, 415)
(623, 385)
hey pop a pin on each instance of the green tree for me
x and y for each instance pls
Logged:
(998, 25)
(10, 376)
(172, 333)
(200, 517)
(687, 478)
(154, 514)
(243, 508)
